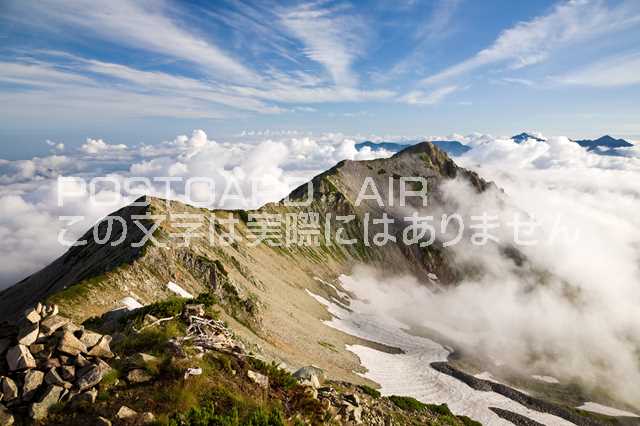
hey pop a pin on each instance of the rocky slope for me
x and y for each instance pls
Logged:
(262, 287)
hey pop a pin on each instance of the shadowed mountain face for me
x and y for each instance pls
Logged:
(98, 276)
(523, 137)
(605, 141)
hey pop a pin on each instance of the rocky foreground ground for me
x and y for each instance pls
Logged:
(174, 363)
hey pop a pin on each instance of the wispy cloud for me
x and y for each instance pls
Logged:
(138, 24)
(330, 36)
(614, 71)
(419, 97)
(531, 42)
(441, 22)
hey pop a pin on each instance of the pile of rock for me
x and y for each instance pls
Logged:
(209, 334)
(47, 359)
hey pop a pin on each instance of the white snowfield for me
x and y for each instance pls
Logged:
(409, 373)
(546, 379)
(594, 407)
(130, 303)
(175, 288)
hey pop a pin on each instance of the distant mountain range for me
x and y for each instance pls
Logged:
(453, 148)
(522, 137)
(605, 145)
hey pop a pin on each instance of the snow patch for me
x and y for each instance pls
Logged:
(130, 303)
(171, 286)
(408, 373)
(546, 379)
(594, 407)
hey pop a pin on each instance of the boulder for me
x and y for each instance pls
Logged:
(138, 375)
(102, 349)
(28, 333)
(53, 378)
(90, 338)
(126, 413)
(72, 327)
(65, 360)
(80, 361)
(146, 418)
(9, 389)
(307, 373)
(51, 363)
(88, 377)
(68, 372)
(19, 358)
(51, 323)
(6, 418)
(88, 397)
(31, 381)
(71, 345)
(32, 315)
(102, 366)
(260, 379)
(39, 410)
(141, 360)
(101, 421)
(36, 348)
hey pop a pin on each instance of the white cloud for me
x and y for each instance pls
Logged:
(331, 39)
(533, 41)
(98, 146)
(610, 72)
(145, 25)
(420, 97)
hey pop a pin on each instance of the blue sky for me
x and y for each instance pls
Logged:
(143, 71)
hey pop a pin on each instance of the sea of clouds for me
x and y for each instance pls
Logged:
(585, 319)
(245, 173)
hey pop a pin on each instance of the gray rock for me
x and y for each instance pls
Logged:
(102, 349)
(306, 373)
(36, 348)
(88, 377)
(28, 333)
(72, 327)
(68, 372)
(260, 379)
(32, 316)
(101, 421)
(39, 410)
(80, 361)
(71, 345)
(138, 376)
(53, 378)
(102, 366)
(9, 389)
(31, 381)
(6, 418)
(90, 338)
(146, 418)
(19, 358)
(88, 397)
(125, 413)
(141, 360)
(51, 363)
(51, 323)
